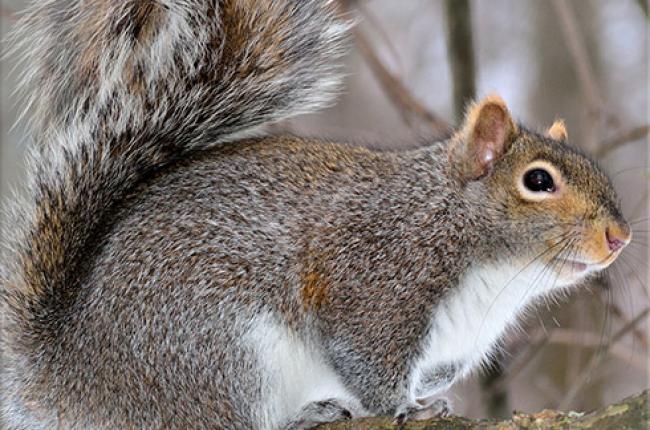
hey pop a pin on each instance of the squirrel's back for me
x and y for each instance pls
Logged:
(122, 89)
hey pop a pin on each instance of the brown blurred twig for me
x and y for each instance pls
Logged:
(575, 353)
(535, 347)
(575, 338)
(587, 339)
(410, 108)
(578, 50)
(586, 77)
(639, 336)
(460, 51)
(638, 209)
(610, 145)
(643, 4)
(596, 357)
(371, 19)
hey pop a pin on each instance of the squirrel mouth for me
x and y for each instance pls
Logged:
(573, 265)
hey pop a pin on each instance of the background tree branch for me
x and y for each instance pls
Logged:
(460, 51)
(409, 106)
(631, 413)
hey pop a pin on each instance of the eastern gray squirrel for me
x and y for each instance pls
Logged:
(168, 270)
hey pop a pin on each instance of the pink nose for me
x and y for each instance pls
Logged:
(613, 242)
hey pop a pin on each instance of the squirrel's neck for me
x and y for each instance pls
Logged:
(424, 222)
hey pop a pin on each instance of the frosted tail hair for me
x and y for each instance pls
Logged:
(123, 88)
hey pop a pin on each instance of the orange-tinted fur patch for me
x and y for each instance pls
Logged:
(313, 291)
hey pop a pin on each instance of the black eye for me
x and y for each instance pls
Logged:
(539, 180)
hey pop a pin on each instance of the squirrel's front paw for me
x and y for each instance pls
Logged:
(316, 413)
(423, 410)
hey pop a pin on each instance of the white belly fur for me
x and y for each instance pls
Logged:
(296, 373)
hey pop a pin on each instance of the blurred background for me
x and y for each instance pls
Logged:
(412, 68)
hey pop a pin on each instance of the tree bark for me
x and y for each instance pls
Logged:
(460, 50)
(631, 413)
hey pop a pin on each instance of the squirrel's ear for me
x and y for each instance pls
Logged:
(484, 137)
(557, 131)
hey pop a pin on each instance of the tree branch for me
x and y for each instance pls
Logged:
(643, 4)
(578, 50)
(587, 371)
(586, 78)
(460, 50)
(631, 413)
(608, 146)
(407, 104)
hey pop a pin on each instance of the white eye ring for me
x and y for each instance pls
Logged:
(542, 194)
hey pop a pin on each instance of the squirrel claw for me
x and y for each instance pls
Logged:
(422, 410)
(317, 413)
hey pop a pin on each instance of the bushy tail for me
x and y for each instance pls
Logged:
(123, 87)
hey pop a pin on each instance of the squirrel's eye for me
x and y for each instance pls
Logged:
(539, 180)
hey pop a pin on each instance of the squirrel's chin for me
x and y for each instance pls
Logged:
(574, 271)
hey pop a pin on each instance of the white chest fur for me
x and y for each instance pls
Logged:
(467, 325)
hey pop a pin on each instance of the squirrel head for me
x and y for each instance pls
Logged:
(544, 198)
